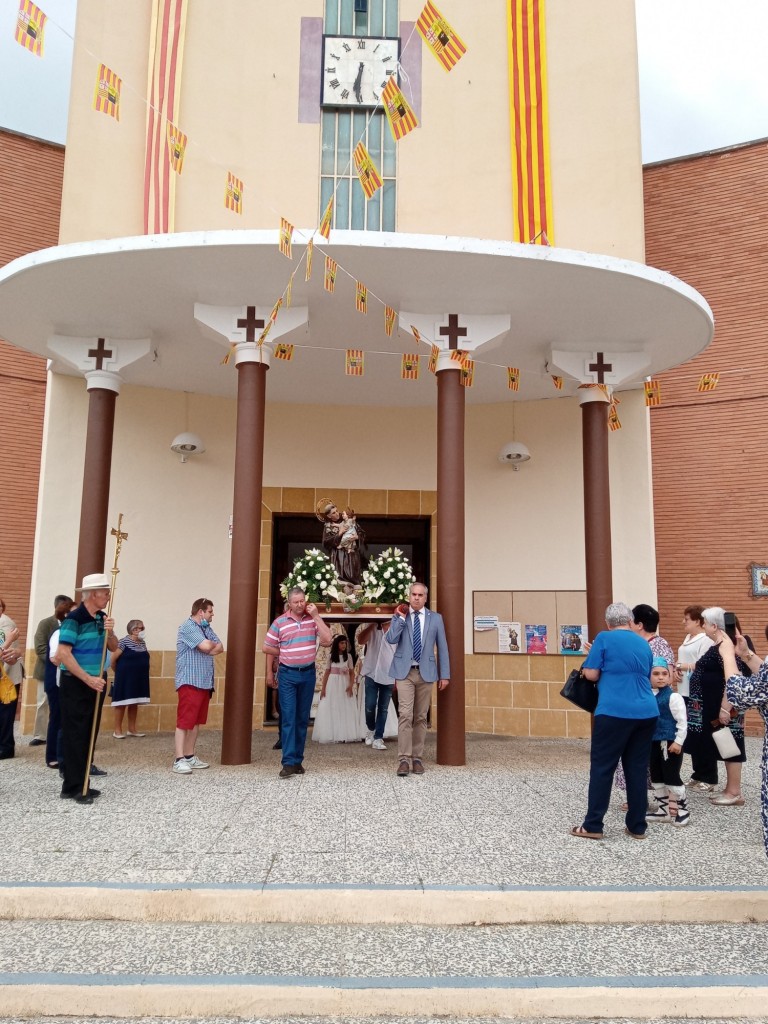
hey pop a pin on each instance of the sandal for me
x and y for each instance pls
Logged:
(581, 833)
(635, 835)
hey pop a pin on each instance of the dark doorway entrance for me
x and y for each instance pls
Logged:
(292, 535)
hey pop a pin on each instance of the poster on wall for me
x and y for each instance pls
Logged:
(509, 638)
(572, 639)
(485, 622)
(535, 639)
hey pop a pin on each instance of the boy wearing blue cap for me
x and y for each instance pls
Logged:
(667, 749)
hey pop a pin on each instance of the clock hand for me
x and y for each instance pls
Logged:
(358, 86)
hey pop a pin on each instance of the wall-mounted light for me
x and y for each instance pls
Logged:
(187, 444)
(513, 454)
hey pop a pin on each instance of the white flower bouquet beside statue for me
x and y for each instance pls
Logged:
(315, 574)
(388, 577)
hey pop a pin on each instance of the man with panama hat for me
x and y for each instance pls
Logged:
(80, 650)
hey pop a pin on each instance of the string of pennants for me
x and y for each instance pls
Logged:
(448, 48)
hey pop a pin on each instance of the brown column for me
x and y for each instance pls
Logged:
(94, 506)
(450, 561)
(597, 512)
(244, 571)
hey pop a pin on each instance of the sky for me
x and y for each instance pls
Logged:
(702, 67)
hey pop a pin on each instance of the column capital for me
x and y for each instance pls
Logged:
(450, 331)
(242, 325)
(594, 393)
(104, 380)
(252, 353)
(611, 368)
(106, 356)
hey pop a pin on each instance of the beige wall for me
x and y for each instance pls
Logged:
(239, 103)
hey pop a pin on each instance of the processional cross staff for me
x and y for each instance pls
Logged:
(119, 538)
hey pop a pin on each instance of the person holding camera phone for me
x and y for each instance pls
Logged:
(708, 711)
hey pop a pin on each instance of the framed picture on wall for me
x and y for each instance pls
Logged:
(758, 575)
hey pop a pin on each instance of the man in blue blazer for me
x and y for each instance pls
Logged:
(421, 659)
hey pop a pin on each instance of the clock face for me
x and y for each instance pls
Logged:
(356, 69)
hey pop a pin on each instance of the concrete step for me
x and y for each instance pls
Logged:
(247, 971)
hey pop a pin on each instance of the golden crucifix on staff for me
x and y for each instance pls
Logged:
(119, 538)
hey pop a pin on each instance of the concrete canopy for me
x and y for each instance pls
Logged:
(147, 286)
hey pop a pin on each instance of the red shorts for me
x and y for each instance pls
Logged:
(193, 707)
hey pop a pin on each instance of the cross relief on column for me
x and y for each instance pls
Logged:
(100, 354)
(452, 331)
(251, 323)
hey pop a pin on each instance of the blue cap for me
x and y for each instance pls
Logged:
(660, 663)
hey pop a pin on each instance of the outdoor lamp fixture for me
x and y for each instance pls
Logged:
(186, 445)
(513, 454)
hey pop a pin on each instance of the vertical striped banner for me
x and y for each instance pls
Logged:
(166, 51)
(30, 27)
(531, 182)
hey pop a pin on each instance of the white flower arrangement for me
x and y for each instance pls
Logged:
(315, 574)
(388, 577)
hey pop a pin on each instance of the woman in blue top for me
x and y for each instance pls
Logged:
(625, 719)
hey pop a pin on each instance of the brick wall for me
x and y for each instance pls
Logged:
(707, 222)
(30, 200)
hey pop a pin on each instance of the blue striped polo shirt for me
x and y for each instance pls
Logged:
(84, 633)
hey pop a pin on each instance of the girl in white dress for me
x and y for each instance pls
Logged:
(336, 719)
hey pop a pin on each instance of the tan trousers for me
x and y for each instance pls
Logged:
(41, 716)
(413, 699)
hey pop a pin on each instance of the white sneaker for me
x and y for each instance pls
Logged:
(379, 745)
(369, 738)
(182, 767)
(195, 762)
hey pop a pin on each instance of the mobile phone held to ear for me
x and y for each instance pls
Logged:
(730, 625)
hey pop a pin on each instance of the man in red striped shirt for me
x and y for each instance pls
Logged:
(293, 637)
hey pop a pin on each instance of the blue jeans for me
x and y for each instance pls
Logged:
(619, 739)
(296, 688)
(376, 718)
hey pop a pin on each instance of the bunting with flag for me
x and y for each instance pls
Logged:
(459, 356)
(513, 378)
(366, 171)
(30, 27)
(289, 291)
(284, 350)
(329, 281)
(354, 364)
(529, 128)
(325, 223)
(614, 423)
(167, 29)
(265, 332)
(409, 369)
(467, 373)
(106, 95)
(361, 297)
(434, 352)
(286, 236)
(310, 251)
(276, 309)
(399, 114)
(177, 147)
(389, 320)
(652, 392)
(233, 193)
(557, 381)
(440, 37)
(415, 333)
(708, 382)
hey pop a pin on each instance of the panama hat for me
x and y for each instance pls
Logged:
(96, 581)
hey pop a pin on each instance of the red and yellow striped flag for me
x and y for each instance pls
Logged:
(409, 370)
(415, 333)
(389, 320)
(459, 356)
(652, 392)
(286, 236)
(399, 114)
(30, 27)
(557, 381)
(325, 223)
(284, 350)
(529, 108)
(310, 251)
(361, 298)
(167, 28)
(614, 423)
(440, 37)
(354, 364)
(289, 291)
(276, 309)
(366, 171)
(331, 266)
(106, 95)
(708, 382)
(434, 352)
(265, 332)
(177, 147)
(468, 373)
(233, 193)
(513, 378)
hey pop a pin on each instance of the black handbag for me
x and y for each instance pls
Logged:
(580, 691)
